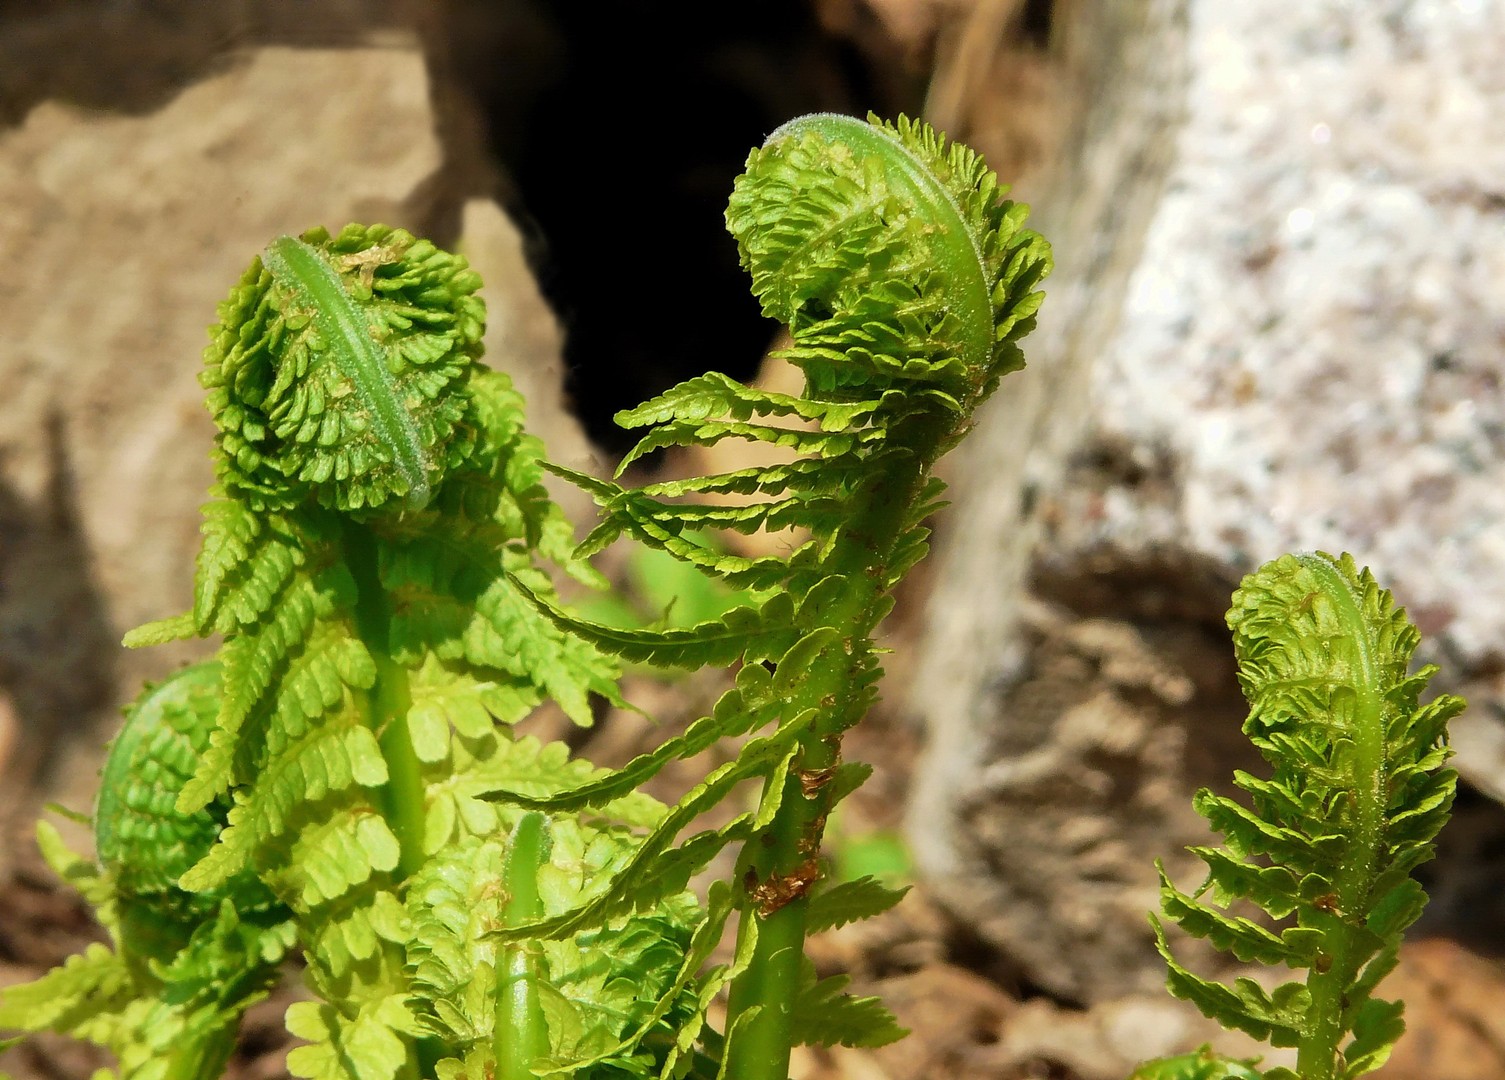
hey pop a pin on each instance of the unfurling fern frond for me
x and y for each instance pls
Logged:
(371, 559)
(377, 502)
(338, 368)
(167, 999)
(1358, 793)
(375, 489)
(906, 280)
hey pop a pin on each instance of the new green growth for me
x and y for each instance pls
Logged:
(344, 780)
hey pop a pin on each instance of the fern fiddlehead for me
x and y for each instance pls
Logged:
(374, 637)
(141, 837)
(369, 552)
(185, 966)
(906, 281)
(1359, 791)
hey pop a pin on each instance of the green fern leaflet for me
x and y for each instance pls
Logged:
(1359, 791)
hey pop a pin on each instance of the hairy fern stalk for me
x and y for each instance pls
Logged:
(1326, 850)
(343, 780)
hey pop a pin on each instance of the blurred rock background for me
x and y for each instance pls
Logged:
(1277, 322)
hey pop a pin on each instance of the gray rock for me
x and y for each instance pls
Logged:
(1277, 324)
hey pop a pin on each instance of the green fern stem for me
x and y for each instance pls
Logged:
(201, 1054)
(388, 700)
(779, 863)
(522, 1030)
(1317, 1056)
(401, 799)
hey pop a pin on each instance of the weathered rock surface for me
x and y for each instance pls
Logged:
(1277, 324)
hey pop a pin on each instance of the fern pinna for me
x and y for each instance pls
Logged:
(906, 281)
(369, 560)
(1359, 791)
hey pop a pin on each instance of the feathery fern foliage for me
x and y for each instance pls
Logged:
(1359, 791)
(375, 490)
(906, 280)
(474, 905)
(167, 998)
(371, 561)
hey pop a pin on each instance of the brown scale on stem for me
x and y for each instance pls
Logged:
(1327, 902)
(782, 889)
(813, 780)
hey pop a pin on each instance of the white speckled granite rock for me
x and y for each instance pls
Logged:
(1315, 331)
(1277, 323)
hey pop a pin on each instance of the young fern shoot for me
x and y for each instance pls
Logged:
(1359, 792)
(374, 535)
(342, 781)
(906, 281)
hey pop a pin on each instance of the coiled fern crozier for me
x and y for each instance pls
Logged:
(1326, 850)
(343, 780)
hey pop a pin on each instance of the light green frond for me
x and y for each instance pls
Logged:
(1244, 938)
(353, 946)
(331, 664)
(288, 664)
(1357, 794)
(245, 563)
(333, 856)
(849, 902)
(144, 842)
(370, 1045)
(167, 1003)
(451, 696)
(524, 769)
(640, 880)
(510, 634)
(715, 396)
(757, 631)
(827, 444)
(1274, 888)
(601, 992)
(746, 707)
(456, 597)
(826, 1015)
(791, 512)
(1277, 1018)
(89, 984)
(328, 760)
(683, 1001)
(809, 476)
(1202, 1064)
